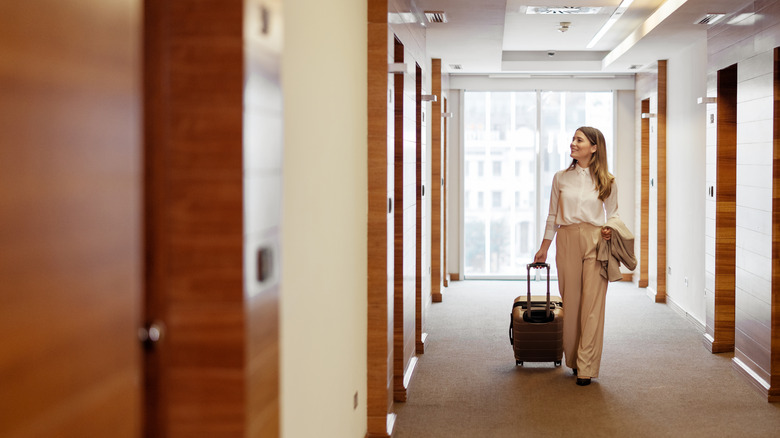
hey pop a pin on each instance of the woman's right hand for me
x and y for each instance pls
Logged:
(541, 256)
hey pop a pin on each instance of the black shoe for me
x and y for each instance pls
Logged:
(583, 382)
(574, 371)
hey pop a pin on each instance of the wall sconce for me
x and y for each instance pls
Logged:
(429, 98)
(648, 115)
(398, 68)
(446, 115)
(706, 100)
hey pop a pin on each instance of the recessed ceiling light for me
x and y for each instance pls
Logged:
(567, 10)
(612, 19)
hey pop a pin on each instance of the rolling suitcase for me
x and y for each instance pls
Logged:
(536, 325)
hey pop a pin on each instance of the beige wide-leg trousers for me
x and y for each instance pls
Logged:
(583, 291)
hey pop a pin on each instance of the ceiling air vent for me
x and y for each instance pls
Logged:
(710, 19)
(436, 16)
(456, 67)
(561, 10)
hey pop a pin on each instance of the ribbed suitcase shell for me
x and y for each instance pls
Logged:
(537, 342)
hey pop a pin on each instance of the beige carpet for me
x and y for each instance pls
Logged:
(656, 379)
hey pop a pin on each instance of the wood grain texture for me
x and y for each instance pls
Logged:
(660, 293)
(445, 156)
(403, 335)
(71, 210)
(725, 212)
(195, 240)
(421, 295)
(379, 286)
(436, 182)
(774, 347)
(644, 242)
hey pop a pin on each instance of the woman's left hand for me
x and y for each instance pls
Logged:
(606, 233)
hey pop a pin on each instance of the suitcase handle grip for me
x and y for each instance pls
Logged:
(547, 310)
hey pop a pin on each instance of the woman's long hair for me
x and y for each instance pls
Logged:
(598, 161)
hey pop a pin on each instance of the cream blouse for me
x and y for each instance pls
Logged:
(574, 199)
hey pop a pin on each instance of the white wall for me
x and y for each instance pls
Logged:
(454, 195)
(625, 159)
(323, 304)
(686, 179)
(753, 257)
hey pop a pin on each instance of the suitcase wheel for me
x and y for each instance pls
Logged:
(557, 363)
(519, 362)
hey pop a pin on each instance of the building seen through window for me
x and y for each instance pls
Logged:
(500, 128)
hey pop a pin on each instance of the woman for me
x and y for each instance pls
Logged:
(583, 197)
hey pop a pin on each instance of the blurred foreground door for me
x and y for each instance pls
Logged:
(70, 218)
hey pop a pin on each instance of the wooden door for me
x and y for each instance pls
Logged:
(213, 158)
(70, 209)
(194, 226)
(644, 243)
(720, 325)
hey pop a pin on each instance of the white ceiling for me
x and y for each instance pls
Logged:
(497, 36)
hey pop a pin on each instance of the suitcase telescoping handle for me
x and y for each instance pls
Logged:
(539, 266)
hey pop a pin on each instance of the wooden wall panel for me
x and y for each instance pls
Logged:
(436, 182)
(71, 210)
(380, 280)
(422, 296)
(399, 361)
(195, 236)
(644, 243)
(725, 212)
(444, 156)
(774, 322)
(660, 293)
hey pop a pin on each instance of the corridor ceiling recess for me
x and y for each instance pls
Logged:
(525, 38)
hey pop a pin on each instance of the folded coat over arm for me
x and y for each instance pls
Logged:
(620, 248)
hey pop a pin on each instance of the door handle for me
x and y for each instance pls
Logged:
(150, 334)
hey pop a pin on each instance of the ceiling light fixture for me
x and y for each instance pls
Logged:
(612, 19)
(563, 10)
(564, 26)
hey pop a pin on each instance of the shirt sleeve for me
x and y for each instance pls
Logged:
(611, 203)
(550, 227)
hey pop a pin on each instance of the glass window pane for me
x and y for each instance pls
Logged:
(500, 132)
(502, 233)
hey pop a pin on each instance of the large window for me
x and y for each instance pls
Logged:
(529, 133)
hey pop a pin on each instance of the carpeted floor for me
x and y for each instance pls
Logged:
(656, 380)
